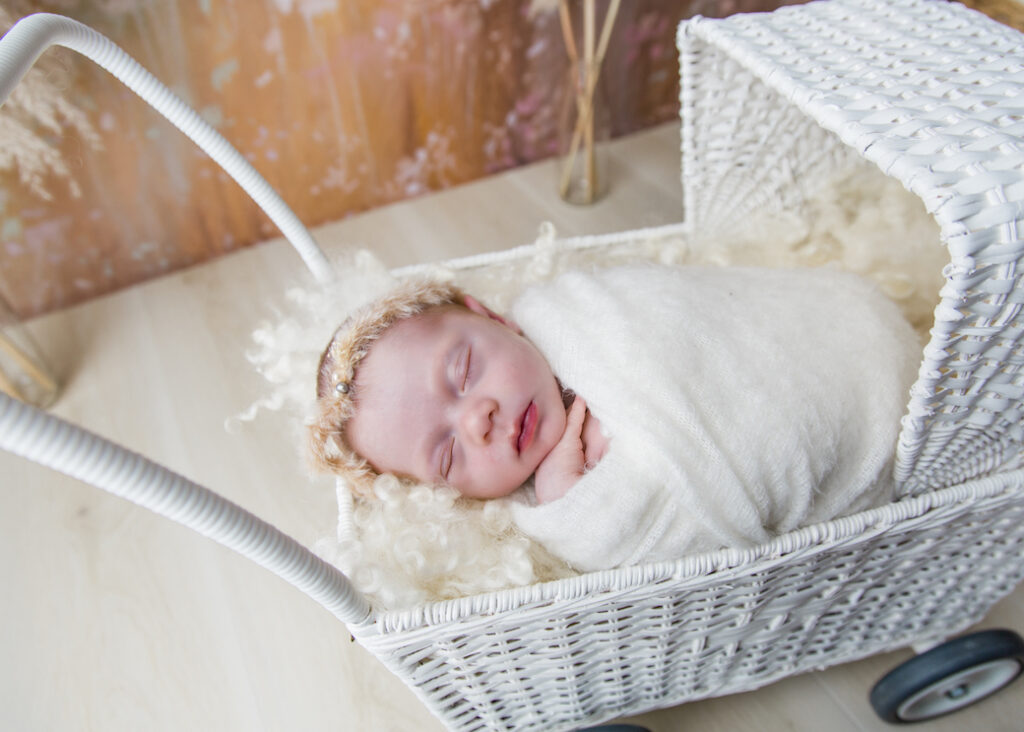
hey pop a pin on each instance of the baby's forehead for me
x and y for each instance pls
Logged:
(420, 331)
(434, 321)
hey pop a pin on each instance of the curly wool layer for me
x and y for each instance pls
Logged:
(416, 543)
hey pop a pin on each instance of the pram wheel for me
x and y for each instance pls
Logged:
(949, 677)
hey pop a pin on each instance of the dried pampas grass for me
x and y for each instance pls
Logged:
(36, 116)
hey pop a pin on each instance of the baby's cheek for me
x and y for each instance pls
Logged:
(503, 472)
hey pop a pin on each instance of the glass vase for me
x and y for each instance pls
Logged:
(584, 116)
(583, 127)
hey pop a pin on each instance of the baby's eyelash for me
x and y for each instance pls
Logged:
(465, 368)
(447, 458)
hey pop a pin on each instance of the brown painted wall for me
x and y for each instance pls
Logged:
(343, 105)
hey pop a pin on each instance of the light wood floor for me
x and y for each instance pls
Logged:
(114, 619)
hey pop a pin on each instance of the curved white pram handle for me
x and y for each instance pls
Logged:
(54, 443)
(32, 35)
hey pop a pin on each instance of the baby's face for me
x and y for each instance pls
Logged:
(454, 396)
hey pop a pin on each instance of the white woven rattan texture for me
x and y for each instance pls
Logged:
(931, 92)
(614, 643)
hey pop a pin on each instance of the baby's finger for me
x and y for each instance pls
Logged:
(577, 413)
(565, 461)
(577, 409)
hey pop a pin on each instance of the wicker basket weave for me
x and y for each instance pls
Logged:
(934, 95)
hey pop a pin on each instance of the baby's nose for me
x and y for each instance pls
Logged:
(477, 419)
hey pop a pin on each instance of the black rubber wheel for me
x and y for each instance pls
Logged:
(949, 677)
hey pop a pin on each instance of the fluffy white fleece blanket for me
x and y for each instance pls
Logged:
(740, 403)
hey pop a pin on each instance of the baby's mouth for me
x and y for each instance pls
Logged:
(527, 428)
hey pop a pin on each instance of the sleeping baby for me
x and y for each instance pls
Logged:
(629, 414)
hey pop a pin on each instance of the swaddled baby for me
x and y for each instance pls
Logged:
(646, 412)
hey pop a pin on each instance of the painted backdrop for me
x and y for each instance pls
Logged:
(342, 105)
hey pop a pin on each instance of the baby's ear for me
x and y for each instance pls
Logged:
(480, 309)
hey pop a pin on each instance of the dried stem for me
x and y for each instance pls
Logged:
(8, 386)
(588, 128)
(26, 364)
(567, 35)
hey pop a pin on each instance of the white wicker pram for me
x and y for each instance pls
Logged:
(931, 93)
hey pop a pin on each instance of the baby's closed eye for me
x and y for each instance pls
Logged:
(465, 368)
(447, 458)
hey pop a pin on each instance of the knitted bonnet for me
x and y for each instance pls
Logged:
(336, 388)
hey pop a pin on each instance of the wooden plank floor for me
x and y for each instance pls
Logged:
(115, 619)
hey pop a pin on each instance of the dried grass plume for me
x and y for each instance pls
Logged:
(36, 116)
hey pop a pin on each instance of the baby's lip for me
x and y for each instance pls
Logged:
(527, 428)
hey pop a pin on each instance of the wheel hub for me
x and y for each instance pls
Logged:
(959, 690)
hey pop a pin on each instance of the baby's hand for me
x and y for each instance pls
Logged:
(563, 466)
